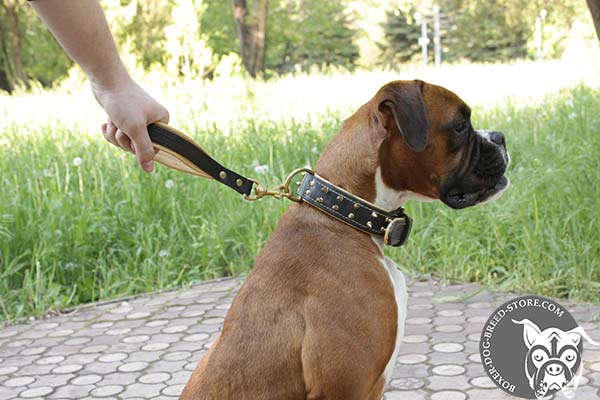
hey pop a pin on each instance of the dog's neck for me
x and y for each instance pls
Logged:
(352, 161)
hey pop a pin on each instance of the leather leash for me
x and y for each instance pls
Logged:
(180, 152)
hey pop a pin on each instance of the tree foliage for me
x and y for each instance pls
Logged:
(28, 51)
(401, 37)
(187, 39)
(474, 30)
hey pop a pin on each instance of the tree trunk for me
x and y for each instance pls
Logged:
(13, 17)
(594, 6)
(252, 33)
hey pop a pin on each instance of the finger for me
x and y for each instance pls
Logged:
(109, 134)
(165, 117)
(124, 141)
(142, 145)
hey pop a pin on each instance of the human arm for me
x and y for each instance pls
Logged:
(82, 30)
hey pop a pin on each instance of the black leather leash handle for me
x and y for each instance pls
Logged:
(179, 151)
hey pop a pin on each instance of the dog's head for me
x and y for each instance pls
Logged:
(431, 148)
(553, 358)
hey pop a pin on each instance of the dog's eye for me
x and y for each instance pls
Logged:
(569, 355)
(538, 355)
(461, 127)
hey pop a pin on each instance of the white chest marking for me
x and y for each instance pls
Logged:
(401, 303)
(391, 199)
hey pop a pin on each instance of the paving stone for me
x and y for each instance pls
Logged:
(496, 394)
(133, 366)
(119, 378)
(173, 390)
(411, 359)
(36, 392)
(450, 313)
(483, 382)
(449, 370)
(86, 380)
(155, 346)
(94, 349)
(448, 395)
(147, 347)
(7, 370)
(19, 381)
(418, 321)
(154, 378)
(136, 339)
(180, 377)
(448, 347)
(77, 341)
(407, 383)
(106, 391)
(67, 369)
(438, 383)
(33, 351)
(113, 357)
(411, 395)
(50, 360)
(415, 339)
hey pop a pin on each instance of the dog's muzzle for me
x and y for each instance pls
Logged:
(480, 177)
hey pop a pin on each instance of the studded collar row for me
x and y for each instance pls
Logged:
(393, 226)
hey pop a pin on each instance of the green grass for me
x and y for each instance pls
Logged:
(73, 234)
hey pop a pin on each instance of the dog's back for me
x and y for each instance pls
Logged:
(280, 341)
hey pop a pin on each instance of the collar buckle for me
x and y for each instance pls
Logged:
(398, 231)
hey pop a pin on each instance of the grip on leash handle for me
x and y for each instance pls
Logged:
(179, 151)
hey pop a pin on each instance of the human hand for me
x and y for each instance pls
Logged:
(130, 110)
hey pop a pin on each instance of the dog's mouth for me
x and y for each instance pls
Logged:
(457, 198)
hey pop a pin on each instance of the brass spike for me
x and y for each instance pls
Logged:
(351, 216)
(319, 199)
(312, 183)
(369, 224)
(325, 189)
(307, 192)
(374, 214)
(356, 206)
(340, 198)
(382, 229)
(222, 174)
(388, 220)
(238, 182)
(335, 207)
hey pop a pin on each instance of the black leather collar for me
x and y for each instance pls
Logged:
(393, 226)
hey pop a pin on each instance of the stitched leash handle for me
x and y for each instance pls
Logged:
(180, 152)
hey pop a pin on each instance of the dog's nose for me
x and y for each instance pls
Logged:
(554, 369)
(498, 138)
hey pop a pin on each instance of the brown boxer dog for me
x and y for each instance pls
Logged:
(321, 315)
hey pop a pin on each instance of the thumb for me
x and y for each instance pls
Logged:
(144, 151)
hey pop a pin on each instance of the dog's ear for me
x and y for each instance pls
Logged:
(577, 333)
(530, 331)
(403, 109)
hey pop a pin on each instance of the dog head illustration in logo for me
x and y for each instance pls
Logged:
(553, 360)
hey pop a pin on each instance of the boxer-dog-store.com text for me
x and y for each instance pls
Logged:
(531, 347)
(321, 315)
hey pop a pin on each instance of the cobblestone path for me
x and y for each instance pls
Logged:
(146, 347)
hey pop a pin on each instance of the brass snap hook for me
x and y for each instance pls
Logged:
(279, 191)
